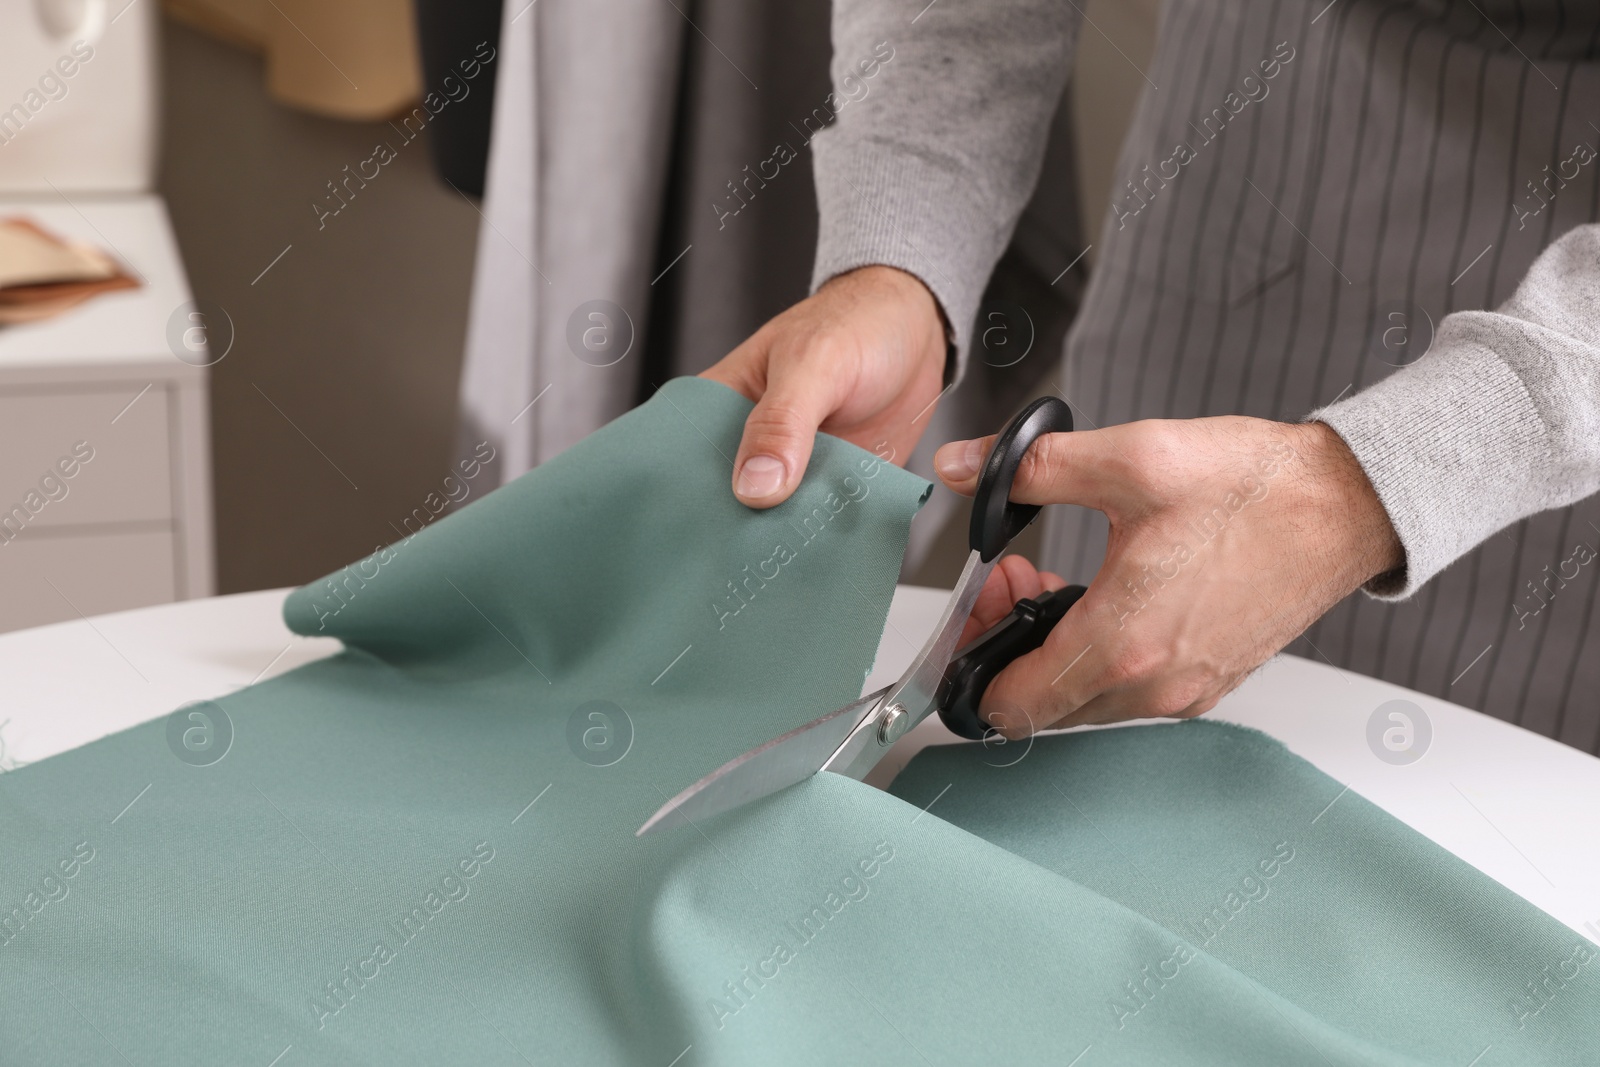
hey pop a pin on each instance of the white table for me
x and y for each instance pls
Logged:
(134, 525)
(1523, 809)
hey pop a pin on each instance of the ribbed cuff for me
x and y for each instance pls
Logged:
(1440, 440)
(883, 204)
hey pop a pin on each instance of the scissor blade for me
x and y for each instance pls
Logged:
(918, 689)
(776, 764)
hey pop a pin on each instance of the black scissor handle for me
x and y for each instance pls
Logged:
(995, 519)
(1018, 633)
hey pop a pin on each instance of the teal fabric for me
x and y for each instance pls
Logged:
(1301, 902)
(421, 850)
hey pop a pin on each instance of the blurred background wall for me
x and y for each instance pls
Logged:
(335, 413)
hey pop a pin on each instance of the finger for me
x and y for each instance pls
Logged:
(740, 370)
(1101, 709)
(1145, 701)
(1020, 699)
(1059, 468)
(1048, 684)
(1200, 707)
(1012, 579)
(1022, 578)
(1122, 704)
(1071, 669)
(1211, 700)
(1167, 695)
(779, 433)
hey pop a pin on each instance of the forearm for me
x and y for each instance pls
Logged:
(929, 170)
(1498, 421)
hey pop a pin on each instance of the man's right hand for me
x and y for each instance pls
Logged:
(862, 359)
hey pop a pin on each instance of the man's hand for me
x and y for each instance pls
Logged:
(863, 359)
(1229, 536)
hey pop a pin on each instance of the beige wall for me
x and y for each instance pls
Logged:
(355, 334)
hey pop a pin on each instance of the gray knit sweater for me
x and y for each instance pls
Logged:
(929, 173)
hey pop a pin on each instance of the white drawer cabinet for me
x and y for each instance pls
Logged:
(105, 495)
(93, 572)
(119, 470)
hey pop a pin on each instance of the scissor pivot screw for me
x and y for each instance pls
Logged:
(893, 725)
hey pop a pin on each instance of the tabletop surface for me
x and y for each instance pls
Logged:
(119, 327)
(1522, 808)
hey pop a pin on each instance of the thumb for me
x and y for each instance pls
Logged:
(778, 437)
(1059, 468)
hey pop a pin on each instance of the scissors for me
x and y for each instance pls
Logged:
(851, 740)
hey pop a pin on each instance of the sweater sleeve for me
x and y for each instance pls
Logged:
(1498, 420)
(933, 156)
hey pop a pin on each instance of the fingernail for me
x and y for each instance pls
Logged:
(760, 477)
(958, 460)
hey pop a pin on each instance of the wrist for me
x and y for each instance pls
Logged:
(884, 280)
(1349, 507)
(909, 293)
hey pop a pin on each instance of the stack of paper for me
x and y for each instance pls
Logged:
(43, 275)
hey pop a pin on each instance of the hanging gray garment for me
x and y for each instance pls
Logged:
(614, 251)
(673, 182)
(579, 154)
(1393, 163)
